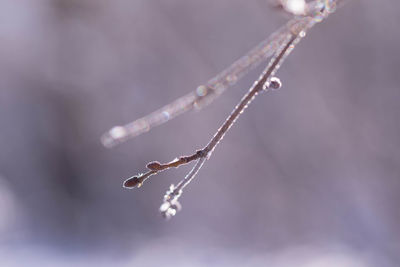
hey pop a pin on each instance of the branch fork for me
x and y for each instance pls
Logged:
(266, 81)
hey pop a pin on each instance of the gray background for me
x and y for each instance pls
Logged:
(309, 176)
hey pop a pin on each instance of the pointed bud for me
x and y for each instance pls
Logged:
(132, 182)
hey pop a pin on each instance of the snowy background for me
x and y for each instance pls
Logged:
(308, 177)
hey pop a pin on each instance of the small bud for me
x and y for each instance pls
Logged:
(132, 182)
(154, 166)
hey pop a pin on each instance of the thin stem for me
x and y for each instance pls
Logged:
(248, 98)
(171, 204)
(189, 177)
(156, 167)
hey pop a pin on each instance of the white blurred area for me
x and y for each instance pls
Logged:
(308, 177)
(171, 253)
(9, 213)
(296, 7)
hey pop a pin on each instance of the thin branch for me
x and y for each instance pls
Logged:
(258, 86)
(297, 30)
(156, 167)
(171, 205)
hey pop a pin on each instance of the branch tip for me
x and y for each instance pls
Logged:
(132, 182)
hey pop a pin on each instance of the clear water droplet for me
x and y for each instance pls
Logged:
(274, 83)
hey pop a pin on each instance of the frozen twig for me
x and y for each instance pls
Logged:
(313, 12)
(171, 204)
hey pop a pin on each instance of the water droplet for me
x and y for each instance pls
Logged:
(273, 83)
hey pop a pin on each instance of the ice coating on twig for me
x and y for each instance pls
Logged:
(294, 31)
(207, 93)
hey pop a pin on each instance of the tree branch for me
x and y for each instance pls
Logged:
(297, 30)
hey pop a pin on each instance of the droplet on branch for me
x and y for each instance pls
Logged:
(274, 83)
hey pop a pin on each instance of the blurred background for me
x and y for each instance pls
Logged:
(309, 176)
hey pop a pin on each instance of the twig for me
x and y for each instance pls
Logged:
(266, 81)
(171, 204)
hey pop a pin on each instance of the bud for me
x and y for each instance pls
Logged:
(154, 166)
(132, 182)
